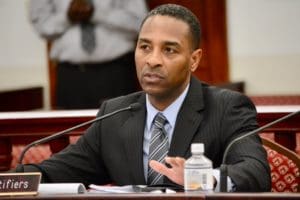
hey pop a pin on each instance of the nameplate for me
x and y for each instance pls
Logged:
(12, 184)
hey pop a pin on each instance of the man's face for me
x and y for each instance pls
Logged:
(164, 57)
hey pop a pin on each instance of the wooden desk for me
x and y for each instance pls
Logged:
(177, 196)
(25, 127)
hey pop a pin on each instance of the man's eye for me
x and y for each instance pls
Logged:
(170, 50)
(145, 47)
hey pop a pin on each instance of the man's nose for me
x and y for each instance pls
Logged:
(154, 58)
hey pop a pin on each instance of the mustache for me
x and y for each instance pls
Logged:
(153, 72)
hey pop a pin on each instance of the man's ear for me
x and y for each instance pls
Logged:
(195, 59)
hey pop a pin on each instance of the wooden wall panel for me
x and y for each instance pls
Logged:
(21, 99)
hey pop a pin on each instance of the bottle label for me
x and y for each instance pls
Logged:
(198, 179)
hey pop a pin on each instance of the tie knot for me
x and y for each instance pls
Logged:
(160, 120)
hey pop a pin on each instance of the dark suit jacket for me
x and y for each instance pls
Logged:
(112, 150)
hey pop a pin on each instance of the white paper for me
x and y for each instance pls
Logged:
(110, 189)
(121, 189)
(61, 188)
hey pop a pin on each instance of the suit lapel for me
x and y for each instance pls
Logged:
(188, 120)
(133, 136)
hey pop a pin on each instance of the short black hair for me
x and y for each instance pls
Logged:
(183, 14)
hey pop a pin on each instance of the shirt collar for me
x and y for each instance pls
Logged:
(170, 112)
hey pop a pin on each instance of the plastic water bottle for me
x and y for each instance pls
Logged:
(198, 170)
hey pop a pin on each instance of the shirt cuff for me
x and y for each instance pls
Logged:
(230, 184)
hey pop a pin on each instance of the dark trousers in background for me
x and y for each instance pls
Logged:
(84, 86)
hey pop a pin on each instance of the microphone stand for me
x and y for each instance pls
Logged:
(223, 167)
(20, 167)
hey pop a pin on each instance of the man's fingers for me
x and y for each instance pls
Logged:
(174, 173)
(175, 161)
(159, 167)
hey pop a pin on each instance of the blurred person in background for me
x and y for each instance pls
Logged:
(92, 44)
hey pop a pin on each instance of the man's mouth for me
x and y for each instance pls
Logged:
(152, 77)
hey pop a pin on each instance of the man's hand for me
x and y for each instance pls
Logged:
(80, 11)
(175, 173)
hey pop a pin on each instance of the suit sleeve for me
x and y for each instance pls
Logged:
(247, 159)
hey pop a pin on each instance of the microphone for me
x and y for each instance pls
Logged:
(223, 167)
(20, 167)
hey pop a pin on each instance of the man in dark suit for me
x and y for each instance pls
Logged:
(116, 149)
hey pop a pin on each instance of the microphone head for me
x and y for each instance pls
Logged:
(135, 106)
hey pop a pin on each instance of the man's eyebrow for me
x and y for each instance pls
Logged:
(167, 43)
(171, 43)
(143, 40)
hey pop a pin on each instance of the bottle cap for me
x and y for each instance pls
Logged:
(197, 148)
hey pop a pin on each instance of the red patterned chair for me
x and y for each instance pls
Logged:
(285, 166)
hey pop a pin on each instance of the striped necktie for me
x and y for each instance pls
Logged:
(158, 149)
